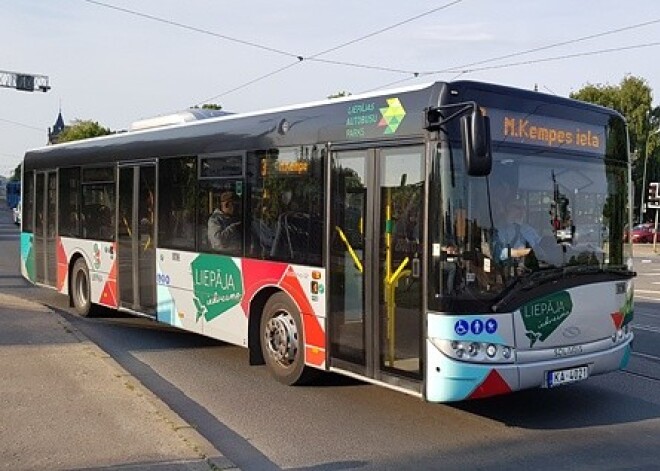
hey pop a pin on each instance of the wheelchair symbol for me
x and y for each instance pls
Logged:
(461, 327)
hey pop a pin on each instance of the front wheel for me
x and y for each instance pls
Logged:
(80, 288)
(283, 341)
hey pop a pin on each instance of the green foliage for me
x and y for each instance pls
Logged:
(17, 173)
(632, 98)
(82, 129)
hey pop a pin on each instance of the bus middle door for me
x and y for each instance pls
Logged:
(136, 251)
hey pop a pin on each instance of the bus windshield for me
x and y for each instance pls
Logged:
(540, 215)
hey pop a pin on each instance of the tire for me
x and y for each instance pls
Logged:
(81, 289)
(283, 341)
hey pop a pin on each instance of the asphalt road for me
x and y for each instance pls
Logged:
(609, 422)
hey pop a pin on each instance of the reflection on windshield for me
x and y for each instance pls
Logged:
(534, 212)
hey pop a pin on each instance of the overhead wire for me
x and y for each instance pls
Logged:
(382, 30)
(547, 59)
(464, 69)
(300, 58)
(315, 57)
(459, 70)
(16, 123)
(558, 44)
(247, 84)
(192, 28)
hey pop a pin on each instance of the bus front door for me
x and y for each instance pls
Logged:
(136, 252)
(375, 269)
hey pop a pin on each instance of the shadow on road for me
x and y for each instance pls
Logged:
(572, 407)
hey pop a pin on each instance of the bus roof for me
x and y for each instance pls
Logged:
(378, 115)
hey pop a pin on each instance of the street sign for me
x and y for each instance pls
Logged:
(654, 196)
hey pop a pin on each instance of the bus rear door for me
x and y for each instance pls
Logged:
(45, 228)
(135, 236)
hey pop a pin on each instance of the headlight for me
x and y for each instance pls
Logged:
(475, 351)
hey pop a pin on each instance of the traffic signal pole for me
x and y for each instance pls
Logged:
(654, 203)
(655, 232)
(24, 82)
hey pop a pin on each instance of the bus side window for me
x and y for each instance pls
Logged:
(176, 203)
(287, 205)
(98, 203)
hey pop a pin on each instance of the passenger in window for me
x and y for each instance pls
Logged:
(224, 231)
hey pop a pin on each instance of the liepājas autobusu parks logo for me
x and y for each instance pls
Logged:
(365, 118)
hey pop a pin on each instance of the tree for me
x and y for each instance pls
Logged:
(632, 98)
(17, 173)
(82, 129)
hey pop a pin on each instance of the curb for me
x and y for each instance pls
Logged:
(186, 432)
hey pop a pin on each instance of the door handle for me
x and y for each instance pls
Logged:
(416, 268)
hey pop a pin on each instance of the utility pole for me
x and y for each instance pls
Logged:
(642, 206)
(24, 82)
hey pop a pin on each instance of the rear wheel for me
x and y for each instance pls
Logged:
(283, 341)
(80, 288)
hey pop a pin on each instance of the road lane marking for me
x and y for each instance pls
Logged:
(645, 355)
(648, 328)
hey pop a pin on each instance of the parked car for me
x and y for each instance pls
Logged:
(641, 234)
(17, 214)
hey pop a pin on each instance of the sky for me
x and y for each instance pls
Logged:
(163, 56)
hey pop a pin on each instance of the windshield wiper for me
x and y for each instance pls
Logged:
(621, 270)
(525, 283)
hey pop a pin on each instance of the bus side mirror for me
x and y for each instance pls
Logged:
(475, 131)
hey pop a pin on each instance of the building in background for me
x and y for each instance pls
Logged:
(56, 130)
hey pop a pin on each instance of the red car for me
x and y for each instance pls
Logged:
(642, 234)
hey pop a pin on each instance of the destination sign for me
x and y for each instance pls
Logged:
(523, 128)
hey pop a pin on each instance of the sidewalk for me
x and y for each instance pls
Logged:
(646, 250)
(66, 405)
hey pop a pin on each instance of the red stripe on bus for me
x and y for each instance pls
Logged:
(256, 275)
(314, 334)
(493, 385)
(62, 265)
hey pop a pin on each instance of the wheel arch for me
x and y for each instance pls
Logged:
(256, 310)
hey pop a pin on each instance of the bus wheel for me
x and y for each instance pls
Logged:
(283, 342)
(80, 288)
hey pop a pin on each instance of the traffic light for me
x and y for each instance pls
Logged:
(654, 195)
(25, 83)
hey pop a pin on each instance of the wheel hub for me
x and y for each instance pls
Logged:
(282, 338)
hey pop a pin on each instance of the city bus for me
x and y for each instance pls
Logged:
(367, 236)
(13, 193)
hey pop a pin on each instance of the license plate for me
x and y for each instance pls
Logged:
(567, 376)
